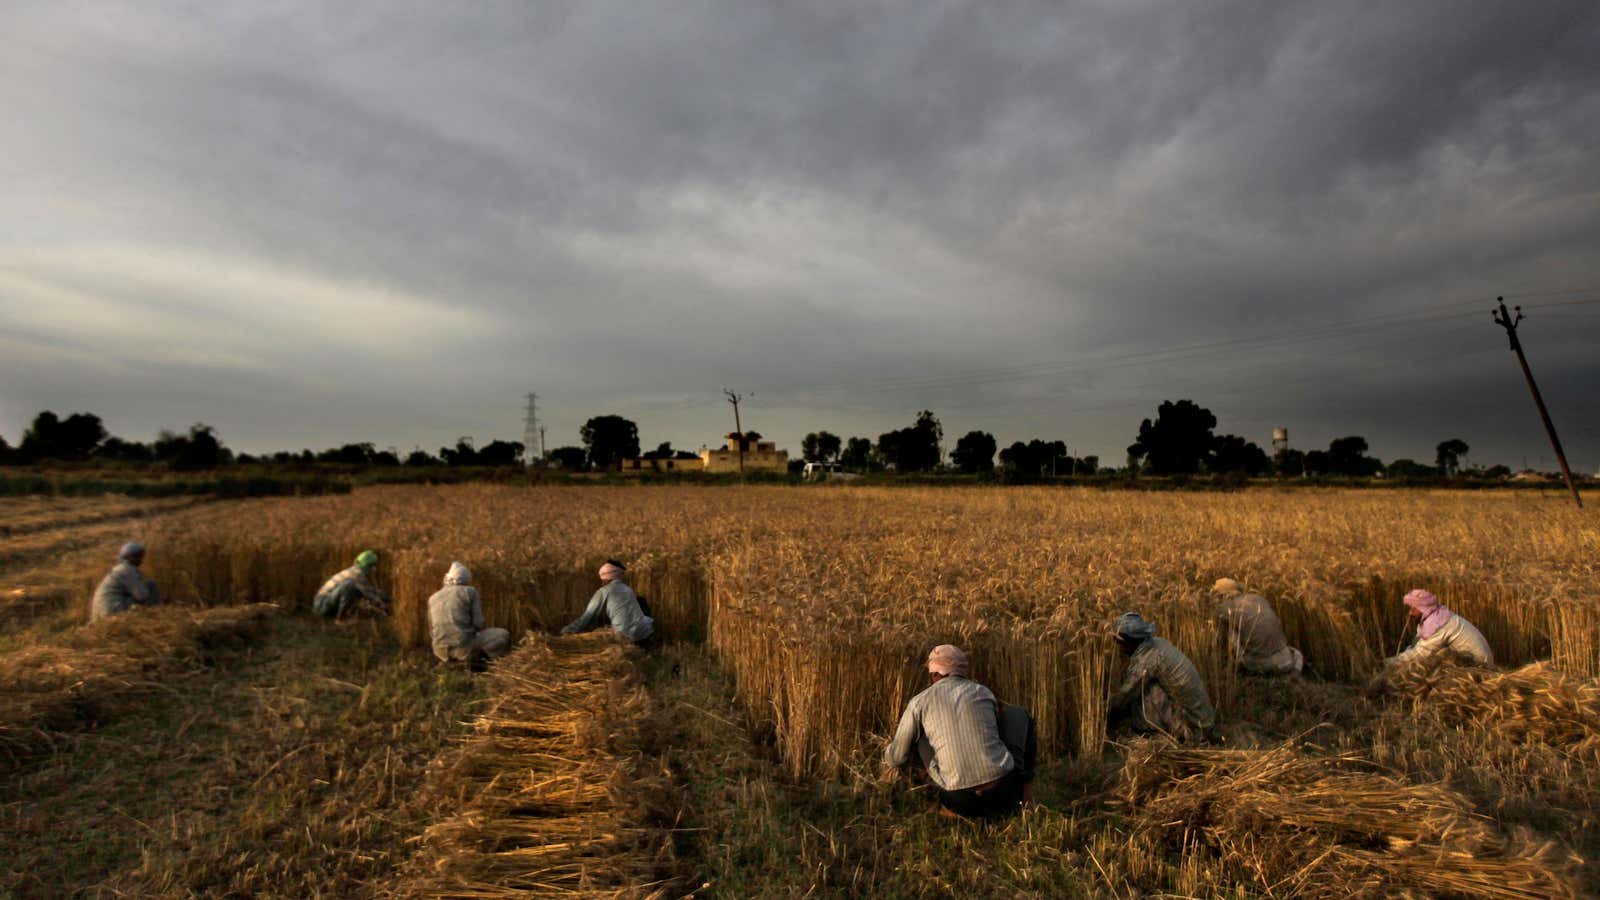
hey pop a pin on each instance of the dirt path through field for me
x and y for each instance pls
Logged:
(287, 769)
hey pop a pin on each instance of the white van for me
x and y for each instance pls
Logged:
(815, 471)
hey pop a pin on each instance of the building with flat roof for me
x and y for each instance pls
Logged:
(759, 455)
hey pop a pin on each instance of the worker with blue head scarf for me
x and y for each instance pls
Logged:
(124, 587)
(1161, 692)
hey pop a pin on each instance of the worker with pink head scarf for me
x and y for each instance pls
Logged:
(1440, 631)
(615, 604)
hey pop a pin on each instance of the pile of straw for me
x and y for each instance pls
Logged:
(1290, 823)
(1533, 703)
(22, 605)
(548, 793)
(51, 688)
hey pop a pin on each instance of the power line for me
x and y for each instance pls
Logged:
(1437, 313)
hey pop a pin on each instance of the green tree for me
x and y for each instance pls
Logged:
(914, 449)
(1347, 456)
(1409, 470)
(52, 437)
(820, 446)
(501, 453)
(462, 454)
(810, 449)
(119, 450)
(1177, 441)
(1232, 453)
(609, 439)
(857, 455)
(421, 457)
(198, 450)
(974, 452)
(573, 459)
(1448, 456)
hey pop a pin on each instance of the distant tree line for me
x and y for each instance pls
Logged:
(1181, 440)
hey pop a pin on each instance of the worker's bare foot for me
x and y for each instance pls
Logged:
(948, 813)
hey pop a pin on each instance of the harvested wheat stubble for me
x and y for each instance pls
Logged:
(22, 605)
(550, 795)
(51, 688)
(1302, 824)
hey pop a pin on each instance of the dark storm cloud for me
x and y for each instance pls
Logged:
(387, 222)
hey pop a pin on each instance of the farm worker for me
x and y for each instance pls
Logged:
(1441, 631)
(455, 619)
(123, 587)
(1162, 691)
(1254, 631)
(352, 590)
(615, 604)
(979, 758)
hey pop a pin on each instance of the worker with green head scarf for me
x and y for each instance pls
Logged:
(352, 592)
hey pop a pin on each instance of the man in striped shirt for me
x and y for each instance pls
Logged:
(955, 726)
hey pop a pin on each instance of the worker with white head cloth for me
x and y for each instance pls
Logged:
(1254, 631)
(1440, 632)
(124, 587)
(978, 757)
(615, 604)
(456, 624)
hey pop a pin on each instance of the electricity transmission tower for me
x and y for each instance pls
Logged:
(531, 429)
(1504, 320)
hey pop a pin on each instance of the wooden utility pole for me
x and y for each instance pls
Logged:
(1504, 320)
(737, 427)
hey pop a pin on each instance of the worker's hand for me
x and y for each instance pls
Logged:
(889, 775)
(1377, 685)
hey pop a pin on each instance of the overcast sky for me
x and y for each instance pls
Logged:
(309, 224)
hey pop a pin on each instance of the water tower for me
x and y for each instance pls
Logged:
(1280, 441)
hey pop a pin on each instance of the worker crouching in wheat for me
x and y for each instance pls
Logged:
(1441, 632)
(1162, 692)
(351, 591)
(1254, 631)
(456, 624)
(617, 605)
(124, 587)
(978, 755)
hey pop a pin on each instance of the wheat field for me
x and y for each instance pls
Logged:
(823, 601)
(818, 604)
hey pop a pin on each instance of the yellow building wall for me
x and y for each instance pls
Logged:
(723, 461)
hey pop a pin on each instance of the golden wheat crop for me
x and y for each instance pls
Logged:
(822, 602)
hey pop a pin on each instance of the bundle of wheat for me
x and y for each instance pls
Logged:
(1533, 703)
(551, 799)
(1303, 824)
(49, 688)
